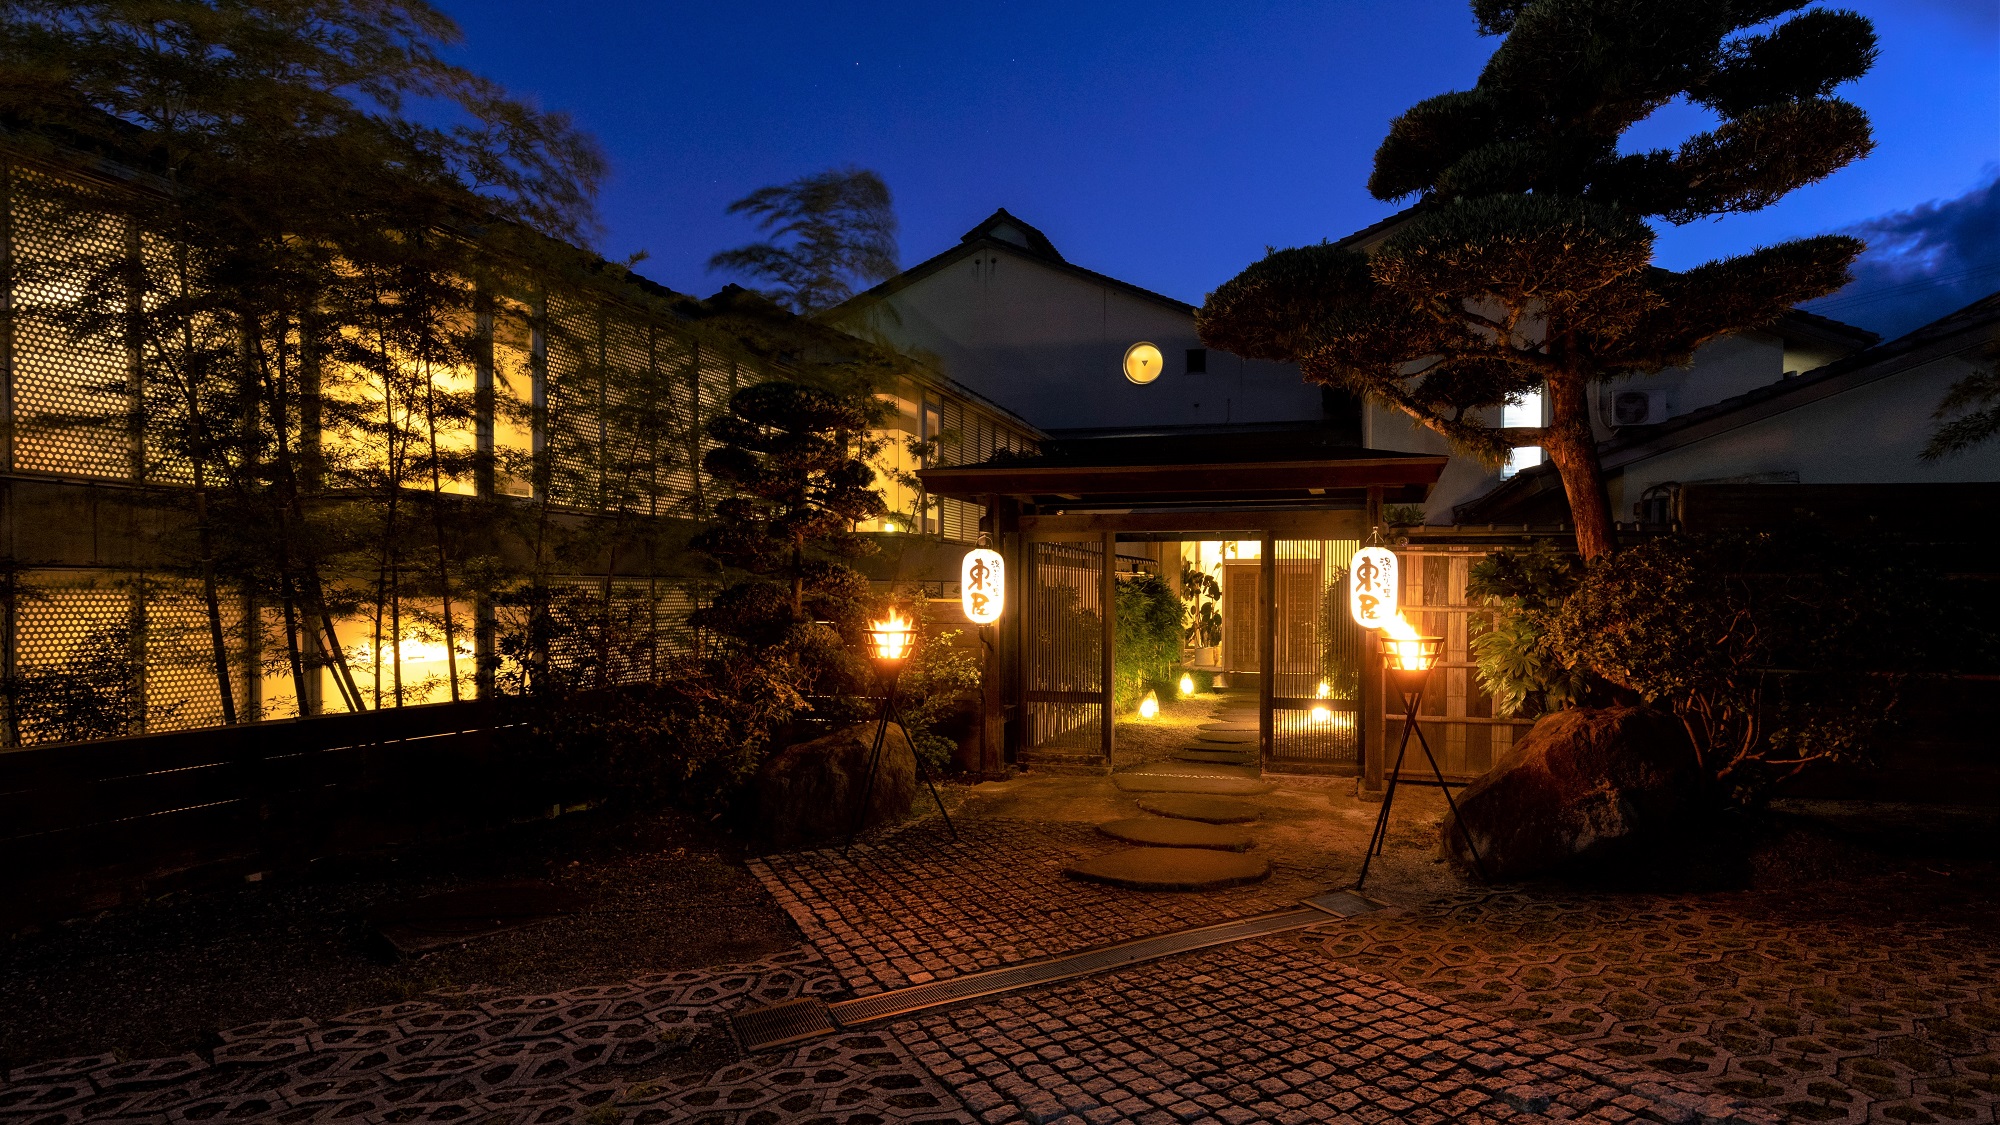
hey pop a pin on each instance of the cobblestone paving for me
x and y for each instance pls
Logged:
(1877, 1003)
(1265, 1032)
(912, 906)
(549, 1058)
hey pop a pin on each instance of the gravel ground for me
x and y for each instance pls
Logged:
(158, 979)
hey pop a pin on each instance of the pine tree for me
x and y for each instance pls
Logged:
(797, 458)
(1525, 262)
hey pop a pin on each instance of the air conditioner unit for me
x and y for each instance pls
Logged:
(1638, 408)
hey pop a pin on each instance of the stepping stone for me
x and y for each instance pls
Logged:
(1160, 832)
(1228, 737)
(1228, 726)
(1186, 769)
(1221, 786)
(1221, 757)
(1171, 869)
(1187, 806)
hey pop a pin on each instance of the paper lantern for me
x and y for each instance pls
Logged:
(982, 585)
(1372, 586)
(1149, 707)
(1187, 684)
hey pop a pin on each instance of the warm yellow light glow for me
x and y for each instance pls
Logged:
(982, 586)
(1149, 707)
(890, 637)
(1321, 714)
(890, 526)
(1324, 691)
(1407, 650)
(1187, 684)
(1143, 363)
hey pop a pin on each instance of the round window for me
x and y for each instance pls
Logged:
(1143, 363)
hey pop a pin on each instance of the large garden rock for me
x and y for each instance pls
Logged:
(1583, 786)
(810, 791)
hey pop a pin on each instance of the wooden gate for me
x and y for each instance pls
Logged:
(1317, 656)
(1067, 697)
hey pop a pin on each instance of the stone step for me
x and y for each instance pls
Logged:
(1219, 786)
(1171, 869)
(1228, 737)
(1190, 806)
(1208, 754)
(1166, 832)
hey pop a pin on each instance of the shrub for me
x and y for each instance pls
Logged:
(937, 690)
(1148, 638)
(1516, 664)
(1776, 650)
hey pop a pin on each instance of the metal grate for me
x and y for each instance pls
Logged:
(72, 404)
(794, 1021)
(905, 1001)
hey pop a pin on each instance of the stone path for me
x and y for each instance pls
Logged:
(1881, 1004)
(547, 1058)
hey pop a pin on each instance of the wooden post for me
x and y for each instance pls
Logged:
(992, 723)
(1108, 598)
(1373, 698)
(1267, 647)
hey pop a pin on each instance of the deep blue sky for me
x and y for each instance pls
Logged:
(1166, 143)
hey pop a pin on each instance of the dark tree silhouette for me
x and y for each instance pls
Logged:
(1526, 260)
(838, 228)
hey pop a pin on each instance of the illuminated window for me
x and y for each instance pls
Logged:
(1143, 363)
(1528, 412)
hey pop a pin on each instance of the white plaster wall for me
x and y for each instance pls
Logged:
(1049, 345)
(1869, 435)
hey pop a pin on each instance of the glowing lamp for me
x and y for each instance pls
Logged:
(1324, 691)
(890, 526)
(1143, 363)
(1321, 714)
(1187, 684)
(982, 585)
(1149, 707)
(1407, 655)
(890, 639)
(1371, 587)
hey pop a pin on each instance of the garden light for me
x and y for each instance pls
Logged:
(889, 639)
(1320, 714)
(1407, 660)
(1187, 684)
(1149, 707)
(1324, 691)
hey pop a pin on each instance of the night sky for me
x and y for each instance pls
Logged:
(1168, 143)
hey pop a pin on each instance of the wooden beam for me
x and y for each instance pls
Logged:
(1108, 592)
(1301, 523)
(1229, 477)
(1267, 648)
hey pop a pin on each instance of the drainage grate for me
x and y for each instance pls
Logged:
(905, 1001)
(760, 1029)
(1342, 904)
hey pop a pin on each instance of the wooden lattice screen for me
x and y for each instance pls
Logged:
(1457, 717)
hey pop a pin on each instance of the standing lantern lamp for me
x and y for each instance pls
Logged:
(1407, 660)
(890, 642)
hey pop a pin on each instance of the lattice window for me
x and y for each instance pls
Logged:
(573, 441)
(76, 666)
(1316, 684)
(717, 380)
(72, 380)
(181, 691)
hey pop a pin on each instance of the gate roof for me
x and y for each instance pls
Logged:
(1194, 468)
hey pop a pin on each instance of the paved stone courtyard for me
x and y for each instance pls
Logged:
(1878, 1005)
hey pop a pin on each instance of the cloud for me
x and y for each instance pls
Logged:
(1923, 263)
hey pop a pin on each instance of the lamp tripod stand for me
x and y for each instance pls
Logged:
(1407, 664)
(875, 760)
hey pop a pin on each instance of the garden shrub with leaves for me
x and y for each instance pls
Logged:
(1148, 639)
(1777, 650)
(936, 694)
(1517, 666)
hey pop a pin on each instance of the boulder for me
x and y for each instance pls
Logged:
(1581, 788)
(810, 791)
